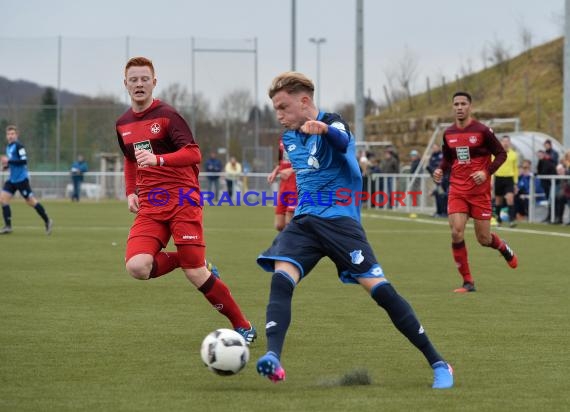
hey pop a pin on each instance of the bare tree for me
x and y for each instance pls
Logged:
(407, 73)
(175, 95)
(525, 37)
(178, 96)
(466, 71)
(394, 91)
(485, 56)
(236, 105)
(500, 58)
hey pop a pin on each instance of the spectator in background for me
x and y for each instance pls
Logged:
(213, 165)
(545, 167)
(562, 194)
(389, 165)
(78, 169)
(415, 161)
(523, 189)
(440, 191)
(364, 164)
(233, 172)
(550, 153)
(506, 177)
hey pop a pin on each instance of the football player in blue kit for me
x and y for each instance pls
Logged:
(16, 160)
(326, 223)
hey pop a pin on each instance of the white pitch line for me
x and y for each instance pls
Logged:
(445, 223)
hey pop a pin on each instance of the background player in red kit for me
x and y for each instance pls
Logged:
(287, 196)
(161, 179)
(467, 149)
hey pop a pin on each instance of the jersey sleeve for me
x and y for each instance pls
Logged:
(130, 170)
(496, 149)
(446, 160)
(21, 157)
(179, 131)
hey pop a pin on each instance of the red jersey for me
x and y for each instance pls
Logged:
(468, 150)
(289, 184)
(159, 129)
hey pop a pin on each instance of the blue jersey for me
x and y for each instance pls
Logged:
(17, 161)
(327, 177)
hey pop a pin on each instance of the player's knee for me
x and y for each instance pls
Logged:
(457, 234)
(484, 239)
(139, 270)
(279, 226)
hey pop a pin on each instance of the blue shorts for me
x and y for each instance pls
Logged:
(23, 187)
(307, 239)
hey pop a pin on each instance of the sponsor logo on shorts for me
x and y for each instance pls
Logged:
(190, 237)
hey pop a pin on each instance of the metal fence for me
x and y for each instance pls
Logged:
(381, 191)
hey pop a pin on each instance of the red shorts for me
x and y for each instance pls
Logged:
(478, 206)
(149, 235)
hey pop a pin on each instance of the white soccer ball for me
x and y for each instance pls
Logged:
(224, 352)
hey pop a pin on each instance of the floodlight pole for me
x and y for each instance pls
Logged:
(293, 34)
(566, 96)
(58, 107)
(359, 81)
(317, 42)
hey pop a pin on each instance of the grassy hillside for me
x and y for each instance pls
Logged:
(532, 90)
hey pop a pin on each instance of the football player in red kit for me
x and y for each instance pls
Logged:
(287, 195)
(162, 188)
(468, 147)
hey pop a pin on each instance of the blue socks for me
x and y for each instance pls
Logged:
(278, 313)
(405, 320)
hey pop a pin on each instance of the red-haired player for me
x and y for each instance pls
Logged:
(161, 179)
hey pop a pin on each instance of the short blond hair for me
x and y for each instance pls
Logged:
(11, 127)
(292, 82)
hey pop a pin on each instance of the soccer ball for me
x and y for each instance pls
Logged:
(224, 352)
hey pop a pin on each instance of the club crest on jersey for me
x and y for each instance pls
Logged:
(356, 257)
(144, 145)
(473, 139)
(155, 128)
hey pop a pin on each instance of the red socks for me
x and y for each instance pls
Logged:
(497, 243)
(163, 263)
(221, 299)
(460, 256)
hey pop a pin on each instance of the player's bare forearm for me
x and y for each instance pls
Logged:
(271, 177)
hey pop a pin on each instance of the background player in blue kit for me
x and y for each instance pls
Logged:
(321, 149)
(17, 161)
